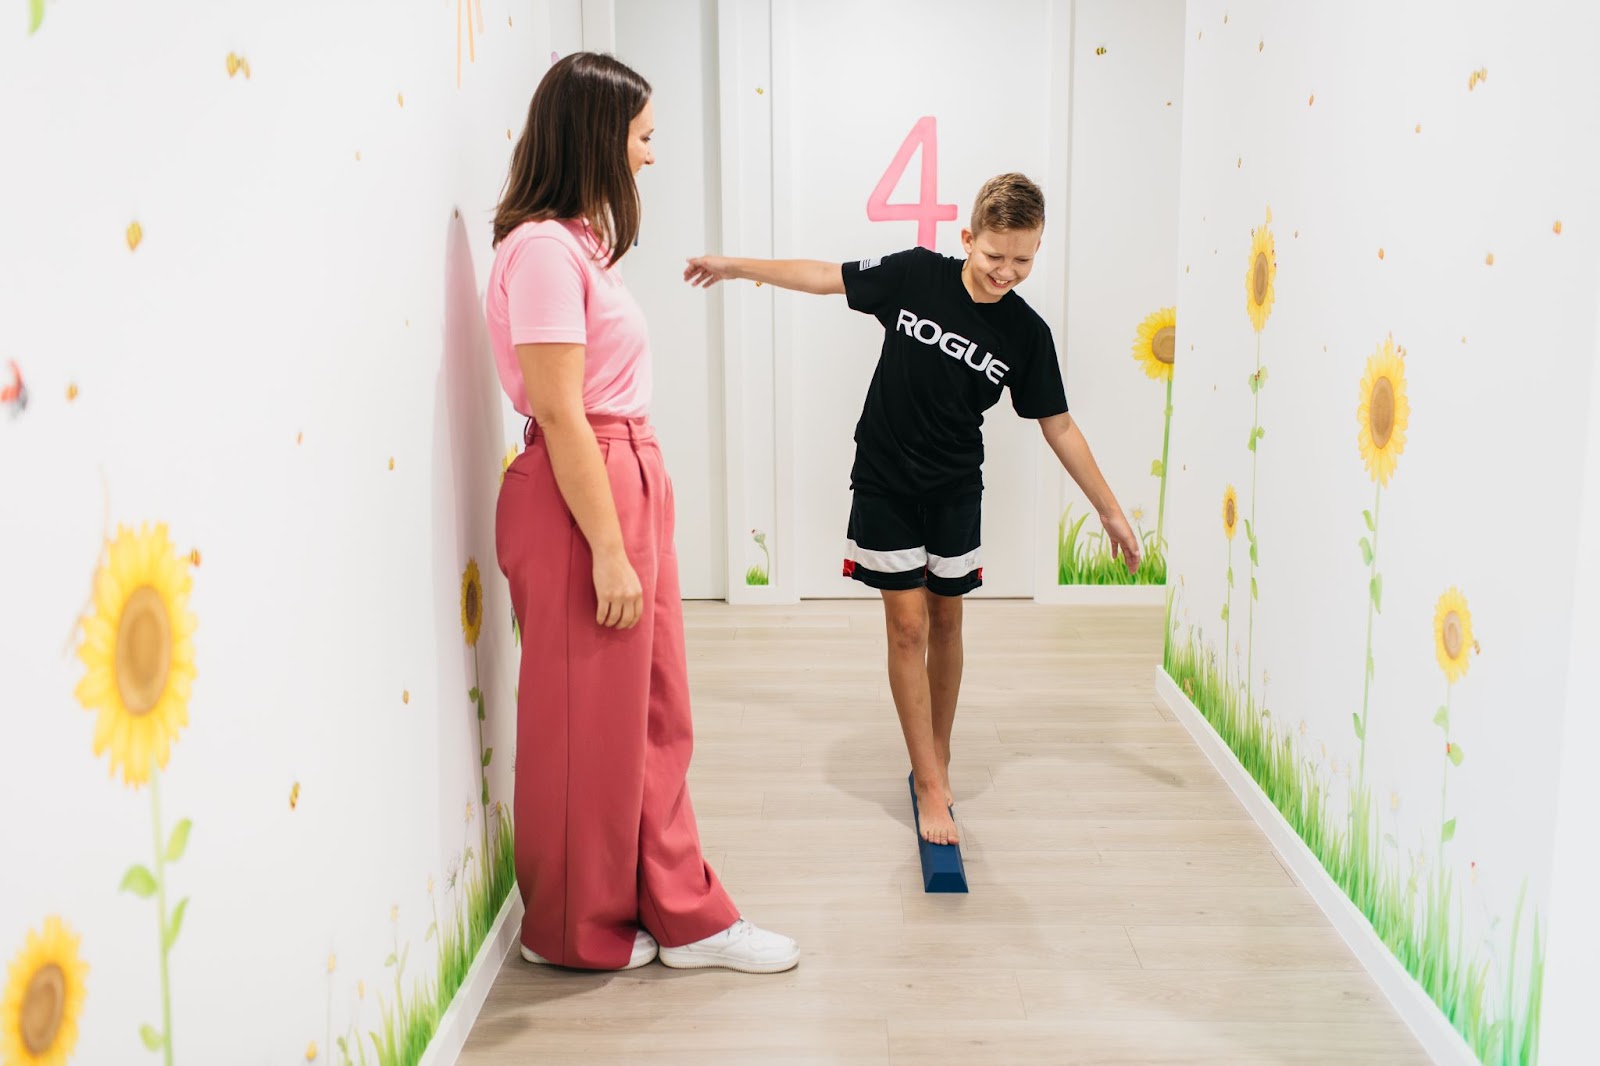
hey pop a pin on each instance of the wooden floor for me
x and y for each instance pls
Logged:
(1123, 907)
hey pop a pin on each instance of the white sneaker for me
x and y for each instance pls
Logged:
(741, 947)
(644, 952)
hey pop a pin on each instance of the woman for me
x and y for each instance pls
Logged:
(608, 855)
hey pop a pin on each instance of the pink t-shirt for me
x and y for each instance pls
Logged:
(550, 285)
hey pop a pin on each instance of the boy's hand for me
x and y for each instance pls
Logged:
(1123, 541)
(707, 270)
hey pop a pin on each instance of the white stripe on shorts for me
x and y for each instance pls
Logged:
(895, 562)
(961, 566)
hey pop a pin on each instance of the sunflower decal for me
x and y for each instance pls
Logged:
(1384, 411)
(44, 996)
(1452, 634)
(1156, 344)
(1260, 280)
(471, 603)
(138, 648)
(1230, 512)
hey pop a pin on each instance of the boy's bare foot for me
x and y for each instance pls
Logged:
(934, 816)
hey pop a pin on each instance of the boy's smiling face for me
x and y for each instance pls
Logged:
(998, 260)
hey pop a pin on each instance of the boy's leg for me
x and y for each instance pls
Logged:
(886, 552)
(954, 539)
(945, 660)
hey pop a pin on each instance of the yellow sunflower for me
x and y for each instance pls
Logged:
(1260, 280)
(1384, 411)
(1452, 634)
(43, 998)
(1157, 342)
(138, 648)
(471, 603)
(1230, 512)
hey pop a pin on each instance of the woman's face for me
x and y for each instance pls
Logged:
(640, 130)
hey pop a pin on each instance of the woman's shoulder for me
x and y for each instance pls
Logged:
(566, 231)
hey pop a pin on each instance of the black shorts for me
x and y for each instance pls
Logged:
(899, 542)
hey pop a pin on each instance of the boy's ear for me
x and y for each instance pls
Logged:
(966, 239)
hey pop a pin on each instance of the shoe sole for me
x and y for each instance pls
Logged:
(713, 962)
(633, 963)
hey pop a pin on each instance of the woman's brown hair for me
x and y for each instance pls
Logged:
(572, 160)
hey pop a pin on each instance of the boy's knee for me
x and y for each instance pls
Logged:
(908, 631)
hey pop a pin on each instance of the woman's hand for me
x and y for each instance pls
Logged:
(616, 587)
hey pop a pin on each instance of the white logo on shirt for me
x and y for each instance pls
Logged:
(952, 344)
(868, 264)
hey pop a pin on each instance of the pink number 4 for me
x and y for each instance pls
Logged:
(927, 212)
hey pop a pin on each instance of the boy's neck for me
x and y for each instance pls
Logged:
(970, 282)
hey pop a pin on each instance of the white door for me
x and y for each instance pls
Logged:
(964, 90)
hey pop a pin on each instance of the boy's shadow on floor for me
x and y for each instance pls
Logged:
(888, 789)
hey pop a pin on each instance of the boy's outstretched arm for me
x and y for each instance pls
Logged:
(802, 275)
(1067, 441)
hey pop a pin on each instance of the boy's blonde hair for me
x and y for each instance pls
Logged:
(1008, 202)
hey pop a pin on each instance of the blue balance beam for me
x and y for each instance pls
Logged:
(942, 870)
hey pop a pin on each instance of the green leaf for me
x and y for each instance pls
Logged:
(1372, 665)
(1224, 612)
(488, 754)
(1254, 381)
(1261, 431)
(179, 840)
(486, 795)
(1366, 551)
(344, 1046)
(403, 956)
(1251, 443)
(1156, 469)
(432, 929)
(482, 714)
(474, 695)
(1262, 374)
(391, 960)
(1255, 593)
(1376, 587)
(1372, 527)
(152, 1039)
(1455, 754)
(1230, 577)
(1361, 732)
(1253, 557)
(1249, 531)
(138, 880)
(35, 14)
(1442, 718)
(176, 923)
(1448, 833)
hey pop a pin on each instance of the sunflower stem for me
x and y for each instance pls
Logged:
(1227, 623)
(483, 769)
(1255, 453)
(1366, 667)
(1444, 787)
(161, 915)
(1166, 438)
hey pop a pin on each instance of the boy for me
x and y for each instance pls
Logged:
(955, 334)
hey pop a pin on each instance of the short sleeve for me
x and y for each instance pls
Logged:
(545, 284)
(869, 284)
(1038, 391)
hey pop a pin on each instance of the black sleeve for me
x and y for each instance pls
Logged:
(1037, 392)
(870, 284)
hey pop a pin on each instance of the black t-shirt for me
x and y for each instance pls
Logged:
(945, 359)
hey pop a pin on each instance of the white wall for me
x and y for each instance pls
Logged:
(304, 308)
(1127, 96)
(675, 47)
(1392, 174)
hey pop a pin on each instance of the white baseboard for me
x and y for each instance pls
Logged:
(1437, 1036)
(451, 1036)
(1102, 595)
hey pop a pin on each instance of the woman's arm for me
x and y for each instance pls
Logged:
(802, 275)
(553, 375)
